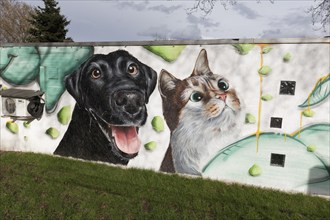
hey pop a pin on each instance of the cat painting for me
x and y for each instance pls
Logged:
(200, 111)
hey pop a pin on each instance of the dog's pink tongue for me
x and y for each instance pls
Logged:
(126, 139)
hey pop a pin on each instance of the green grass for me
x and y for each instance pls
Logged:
(35, 186)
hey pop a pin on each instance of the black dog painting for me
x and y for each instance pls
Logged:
(111, 93)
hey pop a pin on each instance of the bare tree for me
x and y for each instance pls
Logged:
(320, 13)
(14, 23)
(206, 6)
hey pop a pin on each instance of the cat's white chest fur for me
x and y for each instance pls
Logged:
(196, 140)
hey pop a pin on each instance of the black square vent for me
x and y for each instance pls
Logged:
(287, 87)
(275, 122)
(277, 160)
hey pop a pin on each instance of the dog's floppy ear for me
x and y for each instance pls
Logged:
(151, 79)
(72, 84)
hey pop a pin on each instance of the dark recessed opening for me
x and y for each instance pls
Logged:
(287, 87)
(277, 160)
(275, 122)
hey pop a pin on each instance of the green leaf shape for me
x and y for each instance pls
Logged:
(308, 113)
(12, 127)
(266, 50)
(318, 135)
(231, 163)
(22, 65)
(249, 118)
(320, 92)
(311, 148)
(266, 97)
(27, 124)
(167, 52)
(264, 70)
(287, 57)
(158, 123)
(150, 145)
(243, 49)
(19, 65)
(255, 170)
(56, 63)
(26, 138)
(64, 115)
(53, 132)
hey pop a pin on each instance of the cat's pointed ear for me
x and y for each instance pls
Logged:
(202, 65)
(167, 82)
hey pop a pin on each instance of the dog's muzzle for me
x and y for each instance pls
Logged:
(128, 113)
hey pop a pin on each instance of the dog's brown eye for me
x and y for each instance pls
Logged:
(96, 74)
(132, 69)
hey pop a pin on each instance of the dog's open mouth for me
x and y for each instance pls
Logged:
(126, 140)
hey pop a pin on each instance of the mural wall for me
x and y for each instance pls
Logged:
(249, 113)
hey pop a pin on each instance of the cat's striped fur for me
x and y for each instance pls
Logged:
(201, 112)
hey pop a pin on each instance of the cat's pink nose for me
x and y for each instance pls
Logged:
(222, 96)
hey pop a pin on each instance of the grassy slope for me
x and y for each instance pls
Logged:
(38, 186)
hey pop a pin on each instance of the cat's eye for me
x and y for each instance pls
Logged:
(196, 96)
(132, 69)
(96, 73)
(223, 85)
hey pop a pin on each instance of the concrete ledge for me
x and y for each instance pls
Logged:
(325, 40)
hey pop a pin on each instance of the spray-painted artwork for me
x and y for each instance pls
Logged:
(111, 92)
(248, 113)
(200, 111)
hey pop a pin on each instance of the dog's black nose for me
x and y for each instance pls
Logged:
(130, 102)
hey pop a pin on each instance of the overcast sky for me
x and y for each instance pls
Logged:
(104, 20)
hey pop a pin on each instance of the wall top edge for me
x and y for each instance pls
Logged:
(180, 42)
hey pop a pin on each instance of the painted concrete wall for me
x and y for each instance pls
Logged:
(274, 131)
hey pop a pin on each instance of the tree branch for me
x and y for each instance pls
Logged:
(321, 14)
